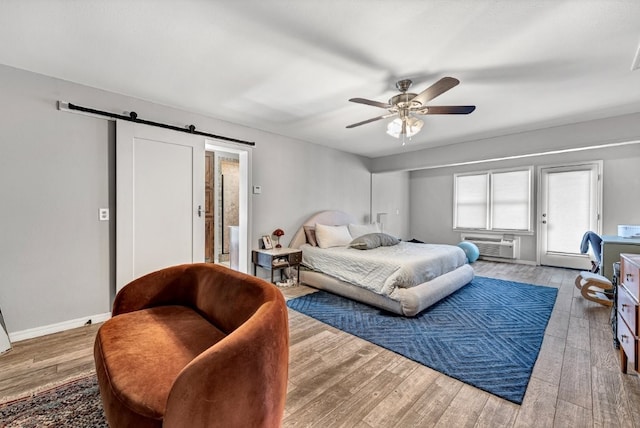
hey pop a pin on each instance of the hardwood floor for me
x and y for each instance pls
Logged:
(36, 363)
(338, 380)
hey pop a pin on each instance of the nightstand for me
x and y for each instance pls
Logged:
(277, 258)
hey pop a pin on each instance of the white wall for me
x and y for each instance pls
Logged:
(431, 184)
(390, 194)
(299, 179)
(57, 170)
(54, 176)
(431, 193)
(578, 135)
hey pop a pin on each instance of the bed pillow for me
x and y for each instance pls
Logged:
(357, 230)
(332, 236)
(310, 233)
(374, 240)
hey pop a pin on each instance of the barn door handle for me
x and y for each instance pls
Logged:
(199, 210)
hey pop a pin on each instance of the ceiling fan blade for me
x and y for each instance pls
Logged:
(364, 122)
(447, 110)
(438, 88)
(369, 102)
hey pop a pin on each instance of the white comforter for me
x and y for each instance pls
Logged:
(383, 269)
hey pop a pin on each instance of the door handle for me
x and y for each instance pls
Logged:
(199, 210)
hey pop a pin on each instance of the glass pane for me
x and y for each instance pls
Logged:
(471, 201)
(568, 210)
(510, 200)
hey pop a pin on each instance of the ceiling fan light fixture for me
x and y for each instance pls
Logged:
(413, 126)
(406, 104)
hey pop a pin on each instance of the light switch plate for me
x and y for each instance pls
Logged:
(257, 190)
(103, 214)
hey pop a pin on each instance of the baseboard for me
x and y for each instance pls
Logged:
(513, 261)
(30, 333)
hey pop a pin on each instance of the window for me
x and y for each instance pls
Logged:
(493, 200)
(471, 201)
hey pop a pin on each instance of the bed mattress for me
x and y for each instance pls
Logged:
(383, 269)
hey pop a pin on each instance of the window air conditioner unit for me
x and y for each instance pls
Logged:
(495, 245)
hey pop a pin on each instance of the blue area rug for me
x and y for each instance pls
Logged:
(487, 334)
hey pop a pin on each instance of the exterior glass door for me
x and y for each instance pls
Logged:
(569, 206)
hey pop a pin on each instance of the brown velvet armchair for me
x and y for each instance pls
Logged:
(194, 346)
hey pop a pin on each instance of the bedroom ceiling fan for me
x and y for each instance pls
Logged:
(406, 105)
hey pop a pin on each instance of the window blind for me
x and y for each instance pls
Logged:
(493, 200)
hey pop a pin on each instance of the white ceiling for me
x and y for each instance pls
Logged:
(289, 66)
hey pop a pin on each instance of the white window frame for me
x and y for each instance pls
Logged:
(489, 223)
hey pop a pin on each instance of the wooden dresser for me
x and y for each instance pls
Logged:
(628, 311)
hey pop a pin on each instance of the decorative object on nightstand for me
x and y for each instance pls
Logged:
(266, 242)
(278, 259)
(278, 233)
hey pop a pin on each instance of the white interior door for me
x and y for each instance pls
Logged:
(569, 206)
(159, 200)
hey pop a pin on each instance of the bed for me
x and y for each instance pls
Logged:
(404, 279)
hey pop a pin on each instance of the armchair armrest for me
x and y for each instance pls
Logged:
(246, 376)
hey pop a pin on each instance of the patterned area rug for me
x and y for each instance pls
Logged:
(487, 334)
(73, 404)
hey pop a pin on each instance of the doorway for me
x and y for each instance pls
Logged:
(237, 171)
(569, 205)
(222, 213)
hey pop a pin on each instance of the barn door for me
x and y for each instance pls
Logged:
(160, 200)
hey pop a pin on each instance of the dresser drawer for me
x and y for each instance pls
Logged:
(628, 309)
(628, 342)
(630, 274)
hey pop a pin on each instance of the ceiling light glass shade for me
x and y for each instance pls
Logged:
(413, 127)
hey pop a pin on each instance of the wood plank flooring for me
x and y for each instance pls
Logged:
(36, 363)
(338, 380)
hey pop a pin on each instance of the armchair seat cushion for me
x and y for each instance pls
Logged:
(172, 336)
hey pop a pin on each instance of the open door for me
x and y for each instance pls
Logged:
(159, 200)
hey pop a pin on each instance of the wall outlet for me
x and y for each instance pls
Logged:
(103, 214)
